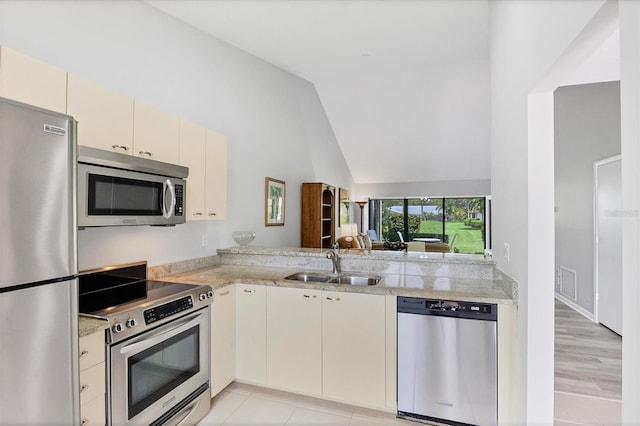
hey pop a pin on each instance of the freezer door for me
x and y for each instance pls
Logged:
(39, 355)
(37, 195)
(447, 368)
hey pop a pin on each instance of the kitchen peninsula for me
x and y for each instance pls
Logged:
(435, 275)
(335, 341)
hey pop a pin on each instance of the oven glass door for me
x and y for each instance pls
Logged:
(160, 369)
(154, 371)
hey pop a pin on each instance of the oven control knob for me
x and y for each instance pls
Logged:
(202, 297)
(117, 327)
(131, 322)
(209, 294)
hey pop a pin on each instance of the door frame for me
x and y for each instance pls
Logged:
(596, 284)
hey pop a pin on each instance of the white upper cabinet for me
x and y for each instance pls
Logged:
(105, 117)
(205, 153)
(31, 81)
(216, 176)
(155, 134)
(193, 140)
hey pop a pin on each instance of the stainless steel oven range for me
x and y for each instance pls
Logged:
(157, 345)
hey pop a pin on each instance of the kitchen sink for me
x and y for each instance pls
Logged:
(343, 278)
(305, 276)
(356, 279)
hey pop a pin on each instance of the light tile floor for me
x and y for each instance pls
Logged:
(241, 404)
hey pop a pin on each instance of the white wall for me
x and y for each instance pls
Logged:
(526, 40)
(455, 188)
(587, 129)
(630, 112)
(274, 121)
(427, 123)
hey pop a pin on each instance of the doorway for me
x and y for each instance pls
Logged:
(607, 176)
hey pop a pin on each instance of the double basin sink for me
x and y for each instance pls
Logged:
(341, 278)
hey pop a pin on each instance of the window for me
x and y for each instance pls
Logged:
(457, 221)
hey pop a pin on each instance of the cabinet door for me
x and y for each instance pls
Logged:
(294, 345)
(155, 134)
(251, 333)
(93, 412)
(223, 338)
(92, 350)
(31, 81)
(193, 140)
(105, 117)
(216, 176)
(353, 355)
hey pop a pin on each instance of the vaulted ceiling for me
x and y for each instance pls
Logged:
(405, 83)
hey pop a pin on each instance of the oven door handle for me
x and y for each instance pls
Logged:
(152, 338)
(167, 184)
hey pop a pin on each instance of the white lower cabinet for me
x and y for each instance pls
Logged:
(294, 339)
(336, 345)
(251, 333)
(223, 338)
(353, 353)
(92, 379)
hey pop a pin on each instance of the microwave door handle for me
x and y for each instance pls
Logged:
(168, 185)
(184, 324)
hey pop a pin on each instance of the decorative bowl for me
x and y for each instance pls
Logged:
(243, 237)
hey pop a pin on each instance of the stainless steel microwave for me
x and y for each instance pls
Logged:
(121, 190)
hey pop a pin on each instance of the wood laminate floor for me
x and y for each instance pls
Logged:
(588, 371)
(588, 356)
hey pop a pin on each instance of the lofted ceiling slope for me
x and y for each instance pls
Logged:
(404, 83)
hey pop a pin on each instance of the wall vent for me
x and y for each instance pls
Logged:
(568, 283)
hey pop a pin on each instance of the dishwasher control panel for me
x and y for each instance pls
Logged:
(416, 305)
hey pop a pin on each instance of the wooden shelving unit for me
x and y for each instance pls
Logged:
(318, 215)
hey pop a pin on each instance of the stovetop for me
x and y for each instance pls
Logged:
(131, 303)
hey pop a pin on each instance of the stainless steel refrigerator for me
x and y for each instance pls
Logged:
(38, 266)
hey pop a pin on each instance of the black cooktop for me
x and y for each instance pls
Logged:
(114, 289)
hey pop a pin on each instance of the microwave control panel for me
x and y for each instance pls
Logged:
(179, 209)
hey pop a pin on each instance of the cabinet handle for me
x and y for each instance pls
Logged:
(84, 387)
(147, 153)
(310, 297)
(122, 147)
(84, 422)
(212, 214)
(249, 291)
(333, 298)
(224, 293)
(84, 352)
(197, 213)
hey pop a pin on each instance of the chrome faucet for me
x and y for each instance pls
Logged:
(335, 259)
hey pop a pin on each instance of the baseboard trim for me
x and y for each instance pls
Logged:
(575, 307)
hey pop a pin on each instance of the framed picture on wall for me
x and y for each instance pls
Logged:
(274, 202)
(345, 205)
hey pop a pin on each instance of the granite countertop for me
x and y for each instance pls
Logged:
(428, 286)
(88, 325)
(402, 256)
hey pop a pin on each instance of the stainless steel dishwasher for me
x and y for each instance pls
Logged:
(447, 361)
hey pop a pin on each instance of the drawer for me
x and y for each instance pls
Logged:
(92, 382)
(93, 413)
(92, 348)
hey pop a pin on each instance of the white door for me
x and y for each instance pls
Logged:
(608, 242)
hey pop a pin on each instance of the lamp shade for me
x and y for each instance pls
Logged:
(349, 230)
